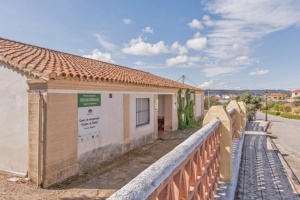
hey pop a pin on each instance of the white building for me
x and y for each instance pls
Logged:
(62, 114)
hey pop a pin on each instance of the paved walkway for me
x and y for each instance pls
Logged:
(261, 174)
(288, 133)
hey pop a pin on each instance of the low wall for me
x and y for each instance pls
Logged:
(194, 168)
(149, 180)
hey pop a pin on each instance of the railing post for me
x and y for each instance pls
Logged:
(243, 114)
(238, 117)
(219, 112)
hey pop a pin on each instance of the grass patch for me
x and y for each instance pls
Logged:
(284, 115)
(290, 116)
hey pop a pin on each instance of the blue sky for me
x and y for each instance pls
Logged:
(217, 44)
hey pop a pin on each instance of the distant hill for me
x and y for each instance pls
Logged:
(253, 92)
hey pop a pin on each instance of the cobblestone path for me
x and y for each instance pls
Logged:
(261, 175)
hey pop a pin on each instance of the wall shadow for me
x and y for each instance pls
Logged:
(261, 175)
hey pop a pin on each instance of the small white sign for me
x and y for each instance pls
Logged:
(88, 117)
(88, 123)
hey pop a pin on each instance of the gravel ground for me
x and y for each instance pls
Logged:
(101, 182)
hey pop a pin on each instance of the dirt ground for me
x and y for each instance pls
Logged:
(101, 182)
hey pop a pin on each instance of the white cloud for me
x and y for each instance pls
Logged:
(97, 55)
(237, 28)
(259, 72)
(207, 84)
(215, 71)
(104, 43)
(148, 30)
(141, 48)
(207, 21)
(195, 24)
(154, 66)
(182, 59)
(139, 63)
(127, 21)
(177, 48)
(212, 84)
(242, 60)
(242, 23)
(197, 43)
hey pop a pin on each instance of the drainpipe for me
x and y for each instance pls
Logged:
(39, 140)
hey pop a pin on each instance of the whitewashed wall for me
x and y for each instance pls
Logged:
(13, 120)
(111, 123)
(198, 105)
(137, 132)
(161, 106)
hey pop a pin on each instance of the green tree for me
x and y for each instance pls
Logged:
(276, 107)
(189, 109)
(180, 112)
(250, 99)
(287, 108)
(252, 103)
(271, 104)
(186, 116)
(213, 102)
(251, 110)
(296, 101)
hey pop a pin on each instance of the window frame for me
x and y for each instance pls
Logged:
(137, 113)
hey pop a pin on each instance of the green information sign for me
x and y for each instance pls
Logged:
(89, 100)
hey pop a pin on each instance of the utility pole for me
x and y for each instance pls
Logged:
(183, 78)
(208, 99)
(266, 119)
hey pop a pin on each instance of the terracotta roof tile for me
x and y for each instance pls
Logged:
(42, 62)
(296, 91)
(275, 94)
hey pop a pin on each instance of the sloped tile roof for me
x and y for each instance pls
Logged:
(49, 64)
(275, 94)
(296, 91)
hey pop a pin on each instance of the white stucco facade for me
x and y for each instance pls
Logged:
(111, 123)
(137, 132)
(13, 121)
(198, 105)
(161, 102)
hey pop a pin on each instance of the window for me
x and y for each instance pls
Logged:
(142, 111)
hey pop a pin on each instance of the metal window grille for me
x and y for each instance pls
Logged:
(142, 111)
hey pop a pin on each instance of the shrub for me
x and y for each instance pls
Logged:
(276, 113)
(287, 108)
(289, 116)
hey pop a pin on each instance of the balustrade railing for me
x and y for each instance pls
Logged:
(189, 171)
(193, 169)
(232, 115)
(198, 176)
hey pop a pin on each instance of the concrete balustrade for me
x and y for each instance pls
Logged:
(219, 112)
(243, 114)
(237, 117)
(232, 114)
(193, 169)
